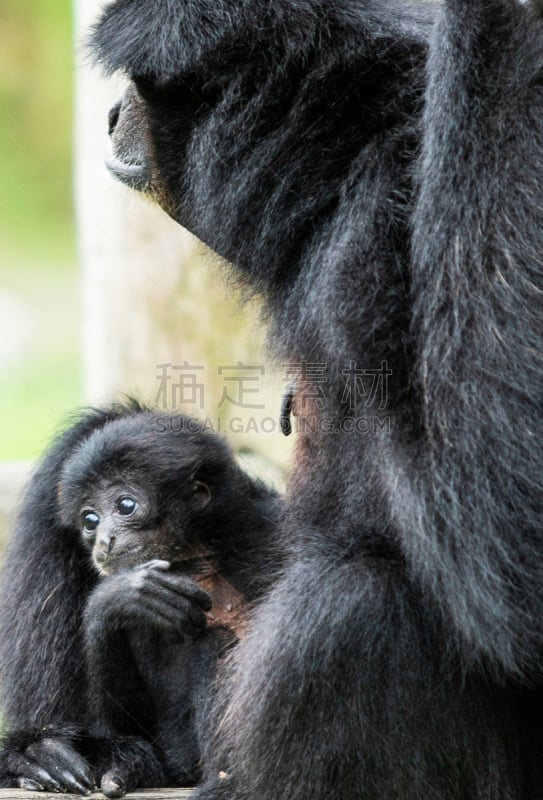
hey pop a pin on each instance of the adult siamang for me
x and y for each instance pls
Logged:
(375, 169)
(141, 544)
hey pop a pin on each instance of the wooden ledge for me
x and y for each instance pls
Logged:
(143, 794)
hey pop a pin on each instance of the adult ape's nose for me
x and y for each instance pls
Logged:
(113, 117)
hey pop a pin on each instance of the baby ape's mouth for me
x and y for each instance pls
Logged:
(118, 560)
(135, 175)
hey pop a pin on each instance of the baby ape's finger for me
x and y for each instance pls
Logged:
(183, 610)
(27, 770)
(70, 761)
(180, 618)
(29, 785)
(186, 587)
(155, 564)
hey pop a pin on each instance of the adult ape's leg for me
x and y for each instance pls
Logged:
(344, 689)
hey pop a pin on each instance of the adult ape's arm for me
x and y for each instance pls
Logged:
(45, 583)
(478, 284)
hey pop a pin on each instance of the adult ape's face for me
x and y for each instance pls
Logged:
(152, 131)
(244, 120)
(149, 129)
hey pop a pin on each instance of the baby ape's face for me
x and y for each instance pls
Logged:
(121, 525)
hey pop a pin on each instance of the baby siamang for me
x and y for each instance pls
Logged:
(182, 541)
(375, 168)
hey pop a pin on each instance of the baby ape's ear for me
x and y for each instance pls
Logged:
(162, 39)
(201, 495)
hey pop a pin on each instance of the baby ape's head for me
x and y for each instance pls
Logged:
(142, 488)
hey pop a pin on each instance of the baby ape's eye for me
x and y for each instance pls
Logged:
(126, 506)
(90, 520)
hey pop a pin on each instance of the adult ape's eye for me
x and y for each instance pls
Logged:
(126, 506)
(90, 520)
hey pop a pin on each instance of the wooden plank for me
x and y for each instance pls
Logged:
(142, 794)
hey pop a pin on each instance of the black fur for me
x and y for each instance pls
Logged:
(376, 169)
(132, 713)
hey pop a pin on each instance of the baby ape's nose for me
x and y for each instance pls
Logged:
(105, 544)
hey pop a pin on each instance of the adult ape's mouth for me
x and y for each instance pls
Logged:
(130, 162)
(136, 175)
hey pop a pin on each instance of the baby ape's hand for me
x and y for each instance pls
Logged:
(46, 763)
(150, 595)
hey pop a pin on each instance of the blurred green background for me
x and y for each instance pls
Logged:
(39, 301)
